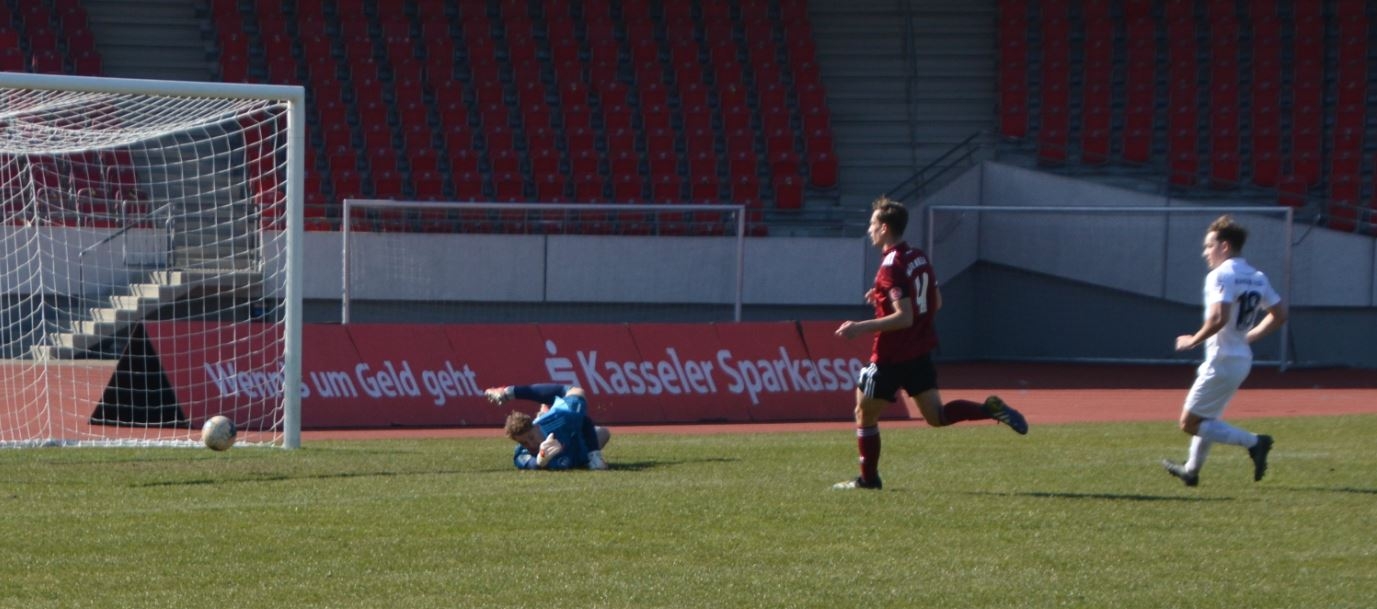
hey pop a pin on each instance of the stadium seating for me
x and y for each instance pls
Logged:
(534, 101)
(92, 189)
(1213, 94)
(49, 38)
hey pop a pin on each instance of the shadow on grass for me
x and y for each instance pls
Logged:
(640, 466)
(1105, 496)
(622, 466)
(1330, 489)
(285, 477)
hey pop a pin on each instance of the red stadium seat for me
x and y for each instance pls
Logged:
(788, 192)
(745, 187)
(667, 188)
(822, 170)
(704, 188)
(588, 187)
(468, 186)
(509, 186)
(428, 185)
(387, 184)
(463, 161)
(583, 162)
(627, 188)
(550, 187)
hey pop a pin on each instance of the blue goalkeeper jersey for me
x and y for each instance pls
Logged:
(565, 420)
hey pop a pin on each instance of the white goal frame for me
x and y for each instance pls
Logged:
(1287, 214)
(291, 246)
(351, 204)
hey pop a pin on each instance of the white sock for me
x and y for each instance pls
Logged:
(1216, 430)
(1200, 450)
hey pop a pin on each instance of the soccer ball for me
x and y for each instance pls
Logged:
(219, 433)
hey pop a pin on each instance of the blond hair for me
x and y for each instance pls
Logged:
(518, 423)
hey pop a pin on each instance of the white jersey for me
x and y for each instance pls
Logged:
(1236, 282)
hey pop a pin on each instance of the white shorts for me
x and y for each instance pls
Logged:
(1216, 382)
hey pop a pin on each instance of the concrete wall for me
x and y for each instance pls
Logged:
(583, 269)
(1151, 254)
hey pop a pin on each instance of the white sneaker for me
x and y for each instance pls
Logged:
(595, 460)
(497, 396)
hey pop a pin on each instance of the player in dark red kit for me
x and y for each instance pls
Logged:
(906, 302)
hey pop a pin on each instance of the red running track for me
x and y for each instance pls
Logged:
(1049, 394)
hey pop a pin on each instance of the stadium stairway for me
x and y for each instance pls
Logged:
(907, 81)
(158, 39)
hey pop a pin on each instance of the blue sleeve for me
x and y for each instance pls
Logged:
(565, 460)
(523, 459)
(576, 404)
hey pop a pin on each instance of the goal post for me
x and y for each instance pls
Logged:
(457, 262)
(1148, 253)
(152, 239)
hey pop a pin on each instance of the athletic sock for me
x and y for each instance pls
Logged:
(956, 411)
(1216, 430)
(544, 393)
(868, 444)
(1200, 450)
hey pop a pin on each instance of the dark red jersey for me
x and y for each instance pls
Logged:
(905, 274)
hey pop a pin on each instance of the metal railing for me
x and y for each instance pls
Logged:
(127, 225)
(958, 156)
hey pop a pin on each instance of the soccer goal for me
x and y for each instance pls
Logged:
(1095, 284)
(454, 262)
(149, 260)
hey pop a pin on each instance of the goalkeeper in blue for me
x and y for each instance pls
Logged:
(560, 436)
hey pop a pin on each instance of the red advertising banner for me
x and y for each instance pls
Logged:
(214, 368)
(681, 364)
(393, 362)
(380, 375)
(769, 364)
(329, 393)
(491, 355)
(847, 357)
(604, 361)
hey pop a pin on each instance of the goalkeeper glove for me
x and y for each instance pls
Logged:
(549, 449)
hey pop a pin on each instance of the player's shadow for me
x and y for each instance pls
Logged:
(1104, 496)
(1330, 489)
(254, 478)
(639, 466)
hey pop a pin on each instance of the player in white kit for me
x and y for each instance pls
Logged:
(1236, 295)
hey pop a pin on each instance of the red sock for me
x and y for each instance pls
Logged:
(868, 443)
(956, 411)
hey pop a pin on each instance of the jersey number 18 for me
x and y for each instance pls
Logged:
(1247, 310)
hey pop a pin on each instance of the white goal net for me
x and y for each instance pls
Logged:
(146, 229)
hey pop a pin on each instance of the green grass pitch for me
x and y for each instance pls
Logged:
(973, 516)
